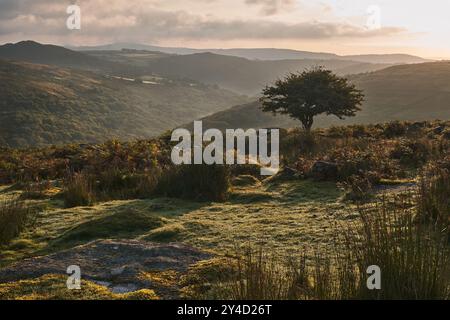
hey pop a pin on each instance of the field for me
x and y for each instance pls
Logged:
(82, 215)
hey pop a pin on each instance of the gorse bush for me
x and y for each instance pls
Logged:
(412, 152)
(15, 216)
(197, 182)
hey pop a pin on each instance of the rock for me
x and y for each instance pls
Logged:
(284, 174)
(245, 180)
(439, 129)
(126, 288)
(117, 271)
(323, 170)
(116, 263)
(417, 126)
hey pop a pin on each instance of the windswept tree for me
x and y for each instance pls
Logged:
(311, 93)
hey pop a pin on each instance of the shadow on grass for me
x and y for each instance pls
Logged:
(126, 221)
(298, 191)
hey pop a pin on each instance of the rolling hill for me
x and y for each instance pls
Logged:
(34, 52)
(408, 92)
(42, 105)
(241, 75)
(233, 73)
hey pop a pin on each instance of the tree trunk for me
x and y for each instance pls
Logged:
(307, 124)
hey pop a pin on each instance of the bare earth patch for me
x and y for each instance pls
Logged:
(121, 265)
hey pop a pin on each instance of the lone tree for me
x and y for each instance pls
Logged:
(310, 93)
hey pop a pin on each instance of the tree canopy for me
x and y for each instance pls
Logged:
(305, 95)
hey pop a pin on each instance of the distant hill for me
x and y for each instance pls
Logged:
(266, 53)
(42, 105)
(386, 58)
(34, 52)
(241, 75)
(407, 92)
(237, 74)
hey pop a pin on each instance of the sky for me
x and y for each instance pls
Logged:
(340, 26)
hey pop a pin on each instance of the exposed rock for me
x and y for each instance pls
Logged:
(323, 170)
(116, 263)
(245, 180)
(439, 129)
(417, 126)
(125, 288)
(284, 174)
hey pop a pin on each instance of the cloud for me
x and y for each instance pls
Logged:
(272, 7)
(144, 21)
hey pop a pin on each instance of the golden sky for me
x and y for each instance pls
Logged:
(338, 26)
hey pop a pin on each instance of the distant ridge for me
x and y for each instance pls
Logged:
(35, 52)
(265, 53)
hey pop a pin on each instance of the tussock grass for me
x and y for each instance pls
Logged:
(434, 197)
(15, 216)
(78, 191)
(414, 262)
(196, 182)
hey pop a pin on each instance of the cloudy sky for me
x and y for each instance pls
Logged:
(340, 26)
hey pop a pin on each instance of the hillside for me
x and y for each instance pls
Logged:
(42, 105)
(34, 52)
(241, 75)
(407, 92)
(238, 74)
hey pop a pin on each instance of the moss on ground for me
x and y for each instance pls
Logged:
(53, 287)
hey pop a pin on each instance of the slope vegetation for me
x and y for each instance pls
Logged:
(42, 105)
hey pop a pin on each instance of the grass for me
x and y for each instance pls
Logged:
(302, 216)
(434, 197)
(122, 224)
(78, 191)
(15, 216)
(283, 217)
(414, 263)
(53, 287)
(127, 218)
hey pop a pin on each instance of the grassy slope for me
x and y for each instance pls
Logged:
(50, 105)
(391, 94)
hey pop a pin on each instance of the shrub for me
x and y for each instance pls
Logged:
(14, 218)
(358, 187)
(412, 152)
(394, 129)
(353, 161)
(35, 191)
(78, 191)
(296, 142)
(115, 184)
(197, 182)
